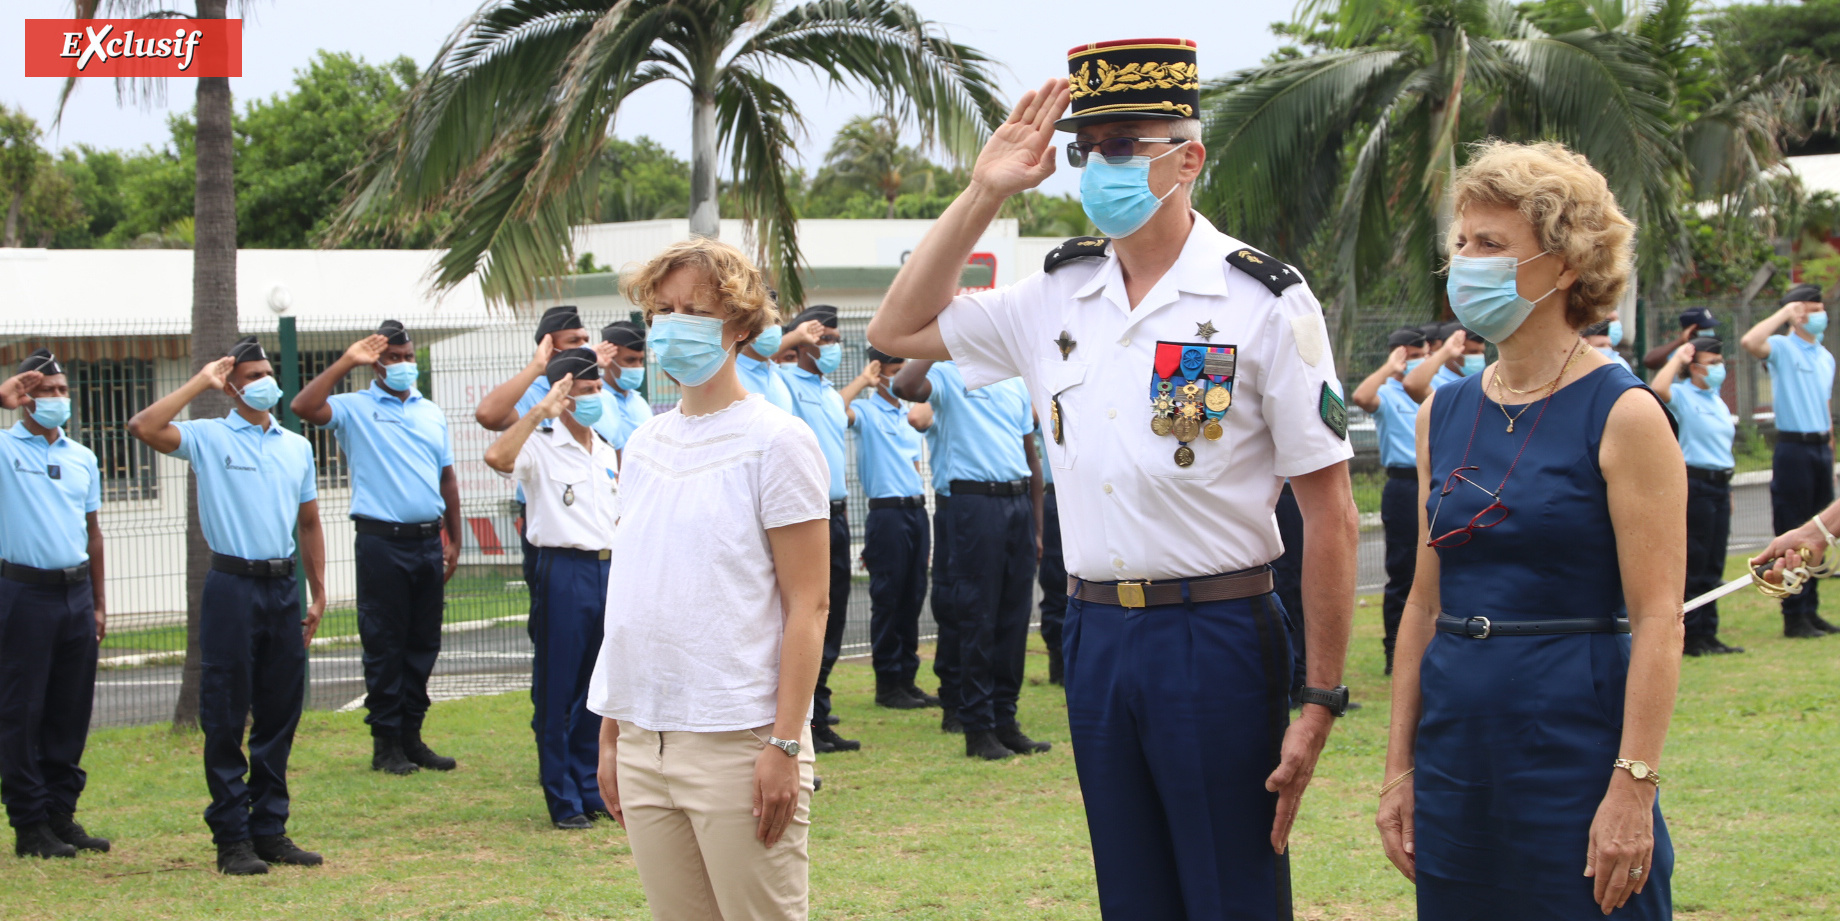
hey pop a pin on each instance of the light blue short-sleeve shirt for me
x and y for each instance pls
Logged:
(817, 402)
(766, 379)
(46, 490)
(251, 483)
(397, 450)
(1706, 426)
(983, 428)
(1444, 376)
(886, 449)
(1802, 378)
(627, 411)
(1396, 424)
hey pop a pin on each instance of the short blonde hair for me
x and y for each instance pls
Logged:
(1573, 212)
(739, 286)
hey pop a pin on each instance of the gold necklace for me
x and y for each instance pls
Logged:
(1512, 389)
(1550, 389)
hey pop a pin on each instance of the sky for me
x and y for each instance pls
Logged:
(1028, 38)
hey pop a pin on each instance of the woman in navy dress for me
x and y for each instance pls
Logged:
(1540, 649)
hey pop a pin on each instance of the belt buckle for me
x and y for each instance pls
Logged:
(1131, 594)
(1487, 628)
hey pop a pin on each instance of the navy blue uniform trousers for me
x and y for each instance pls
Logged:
(1801, 484)
(1178, 715)
(1287, 578)
(945, 615)
(839, 616)
(1052, 575)
(993, 574)
(1399, 519)
(569, 619)
(47, 683)
(400, 601)
(1708, 531)
(895, 546)
(255, 663)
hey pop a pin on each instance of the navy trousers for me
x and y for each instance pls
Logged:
(1287, 578)
(895, 546)
(572, 611)
(945, 616)
(47, 683)
(400, 602)
(1178, 715)
(254, 671)
(1052, 576)
(839, 616)
(993, 563)
(1801, 484)
(1708, 531)
(1399, 518)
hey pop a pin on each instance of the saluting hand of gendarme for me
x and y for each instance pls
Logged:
(1020, 153)
(556, 400)
(18, 387)
(216, 373)
(367, 350)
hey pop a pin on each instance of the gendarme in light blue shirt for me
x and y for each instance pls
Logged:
(1802, 378)
(1706, 426)
(1443, 376)
(1396, 424)
(627, 411)
(983, 428)
(816, 402)
(886, 448)
(397, 449)
(251, 483)
(45, 492)
(766, 379)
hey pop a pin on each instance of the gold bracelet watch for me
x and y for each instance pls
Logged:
(1639, 770)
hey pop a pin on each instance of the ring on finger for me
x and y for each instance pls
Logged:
(1635, 872)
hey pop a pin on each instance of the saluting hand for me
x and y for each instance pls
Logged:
(19, 387)
(545, 349)
(1684, 355)
(1020, 153)
(368, 350)
(217, 373)
(557, 400)
(871, 374)
(1453, 346)
(806, 333)
(1396, 360)
(604, 353)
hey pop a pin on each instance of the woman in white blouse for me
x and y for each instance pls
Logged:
(720, 581)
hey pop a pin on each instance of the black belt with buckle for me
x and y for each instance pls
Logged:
(1481, 628)
(1803, 438)
(260, 569)
(399, 529)
(1402, 473)
(839, 507)
(982, 488)
(1243, 584)
(579, 554)
(898, 502)
(32, 575)
(1716, 477)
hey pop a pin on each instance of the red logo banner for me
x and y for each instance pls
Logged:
(134, 48)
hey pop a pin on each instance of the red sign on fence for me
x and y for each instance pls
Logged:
(134, 48)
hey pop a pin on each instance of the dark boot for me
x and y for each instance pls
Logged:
(1721, 649)
(1698, 646)
(387, 755)
(1057, 667)
(67, 830)
(983, 744)
(573, 823)
(825, 740)
(1013, 739)
(891, 692)
(280, 849)
(38, 840)
(949, 723)
(421, 755)
(925, 699)
(1798, 627)
(1821, 624)
(238, 858)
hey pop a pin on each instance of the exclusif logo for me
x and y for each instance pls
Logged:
(134, 48)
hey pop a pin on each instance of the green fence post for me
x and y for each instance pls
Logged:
(290, 385)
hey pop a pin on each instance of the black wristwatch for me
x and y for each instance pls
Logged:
(1336, 700)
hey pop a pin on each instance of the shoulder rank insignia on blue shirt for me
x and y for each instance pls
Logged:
(1076, 248)
(1274, 275)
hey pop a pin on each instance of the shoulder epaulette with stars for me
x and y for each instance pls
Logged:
(1076, 248)
(1274, 275)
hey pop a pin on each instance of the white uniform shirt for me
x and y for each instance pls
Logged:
(1127, 510)
(571, 496)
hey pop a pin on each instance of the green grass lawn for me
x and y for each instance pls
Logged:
(910, 828)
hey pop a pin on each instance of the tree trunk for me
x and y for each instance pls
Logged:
(12, 217)
(705, 216)
(891, 199)
(214, 328)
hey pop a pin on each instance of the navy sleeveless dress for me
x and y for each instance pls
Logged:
(1518, 732)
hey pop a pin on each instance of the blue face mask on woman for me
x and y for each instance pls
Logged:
(400, 376)
(51, 412)
(1117, 196)
(830, 357)
(1715, 376)
(767, 342)
(689, 347)
(588, 408)
(1816, 324)
(262, 395)
(1473, 364)
(1486, 297)
(631, 378)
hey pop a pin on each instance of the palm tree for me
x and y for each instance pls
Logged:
(19, 165)
(505, 125)
(867, 154)
(213, 286)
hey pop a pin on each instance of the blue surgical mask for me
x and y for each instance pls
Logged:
(631, 378)
(51, 412)
(1485, 296)
(1473, 364)
(588, 408)
(689, 348)
(829, 357)
(1413, 363)
(1117, 196)
(1816, 324)
(400, 376)
(262, 395)
(1615, 332)
(1715, 376)
(767, 342)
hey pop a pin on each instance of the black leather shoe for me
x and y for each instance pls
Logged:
(1821, 624)
(1801, 628)
(387, 756)
(1013, 739)
(892, 693)
(68, 831)
(574, 823)
(38, 840)
(983, 744)
(950, 723)
(925, 699)
(1724, 650)
(238, 858)
(1699, 646)
(280, 849)
(825, 740)
(420, 755)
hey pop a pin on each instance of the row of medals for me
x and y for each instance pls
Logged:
(1190, 410)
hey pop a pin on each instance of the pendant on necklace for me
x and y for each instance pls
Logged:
(1510, 426)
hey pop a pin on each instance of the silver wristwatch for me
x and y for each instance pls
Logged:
(788, 746)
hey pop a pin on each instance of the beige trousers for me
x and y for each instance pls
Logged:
(688, 798)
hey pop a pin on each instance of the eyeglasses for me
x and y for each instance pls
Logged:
(1494, 514)
(1116, 151)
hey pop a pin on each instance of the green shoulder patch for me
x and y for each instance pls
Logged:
(1076, 248)
(1334, 411)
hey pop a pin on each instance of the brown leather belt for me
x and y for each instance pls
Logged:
(1243, 584)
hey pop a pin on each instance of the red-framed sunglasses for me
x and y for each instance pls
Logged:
(1495, 513)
